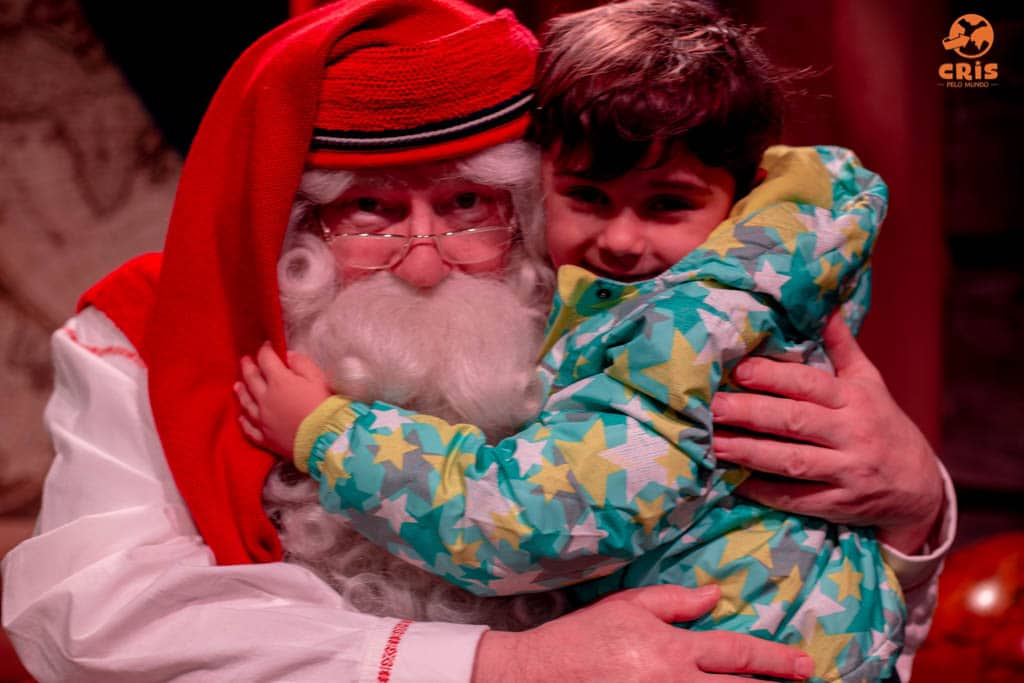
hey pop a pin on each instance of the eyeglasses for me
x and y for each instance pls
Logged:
(379, 251)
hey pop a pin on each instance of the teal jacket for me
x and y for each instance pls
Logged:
(614, 483)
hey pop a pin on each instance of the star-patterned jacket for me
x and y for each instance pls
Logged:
(614, 483)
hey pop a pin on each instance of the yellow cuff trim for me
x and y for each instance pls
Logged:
(335, 411)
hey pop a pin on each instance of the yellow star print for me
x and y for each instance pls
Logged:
(453, 472)
(751, 542)
(735, 476)
(392, 447)
(463, 553)
(553, 479)
(722, 239)
(680, 373)
(824, 648)
(855, 236)
(732, 601)
(649, 512)
(784, 219)
(668, 424)
(848, 580)
(789, 587)
(508, 528)
(677, 464)
(332, 470)
(446, 431)
(750, 335)
(829, 278)
(591, 470)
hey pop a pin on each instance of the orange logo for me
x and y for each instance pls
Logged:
(970, 36)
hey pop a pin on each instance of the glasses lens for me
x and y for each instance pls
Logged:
(368, 251)
(475, 245)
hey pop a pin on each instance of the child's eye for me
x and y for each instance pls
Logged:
(587, 194)
(668, 203)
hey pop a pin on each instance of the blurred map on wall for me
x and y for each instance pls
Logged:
(86, 182)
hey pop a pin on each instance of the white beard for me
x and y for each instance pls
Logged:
(464, 351)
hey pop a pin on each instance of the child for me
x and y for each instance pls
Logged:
(653, 118)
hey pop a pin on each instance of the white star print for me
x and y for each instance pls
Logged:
(511, 583)
(394, 511)
(585, 536)
(529, 454)
(768, 616)
(816, 605)
(482, 499)
(828, 231)
(732, 301)
(391, 419)
(881, 646)
(634, 456)
(769, 281)
(815, 538)
(723, 338)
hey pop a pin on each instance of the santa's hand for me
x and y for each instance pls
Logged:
(276, 398)
(855, 456)
(628, 636)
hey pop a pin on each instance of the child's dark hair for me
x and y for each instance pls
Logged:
(622, 79)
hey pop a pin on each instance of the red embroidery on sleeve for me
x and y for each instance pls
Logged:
(387, 657)
(122, 351)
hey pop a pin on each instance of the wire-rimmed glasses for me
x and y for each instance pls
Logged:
(379, 251)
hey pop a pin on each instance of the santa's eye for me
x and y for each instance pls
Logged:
(367, 204)
(467, 200)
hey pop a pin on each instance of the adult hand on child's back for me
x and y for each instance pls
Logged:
(855, 456)
(628, 636)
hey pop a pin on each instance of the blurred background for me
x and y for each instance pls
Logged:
(99, 100)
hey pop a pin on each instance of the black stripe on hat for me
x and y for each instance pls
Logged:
(420, 136)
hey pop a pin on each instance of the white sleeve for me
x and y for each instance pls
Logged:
(116, 585)
(919, 578)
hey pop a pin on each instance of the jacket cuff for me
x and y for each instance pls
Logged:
(334, 414)
(919, 568)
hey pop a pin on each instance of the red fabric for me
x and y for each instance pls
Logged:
(385, 88)
(217, 298)
(297, 7)
(131, 291)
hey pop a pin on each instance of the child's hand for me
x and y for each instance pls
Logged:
(275, 398)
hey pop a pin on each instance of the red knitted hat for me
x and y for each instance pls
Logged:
(443, 86)
(384, 82)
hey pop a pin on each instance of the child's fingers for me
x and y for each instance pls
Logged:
(251, 431)
(245, 399)
(270, 363)
(305, 367)
(253, 377)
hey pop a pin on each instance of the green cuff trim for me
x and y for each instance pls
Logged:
(334, 412)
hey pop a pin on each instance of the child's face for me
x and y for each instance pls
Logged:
(638, 225)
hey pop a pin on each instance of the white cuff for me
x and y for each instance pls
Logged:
(915, 570)
(421, 652)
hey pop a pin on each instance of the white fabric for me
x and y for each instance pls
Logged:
(919, 578)
(116, 585)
